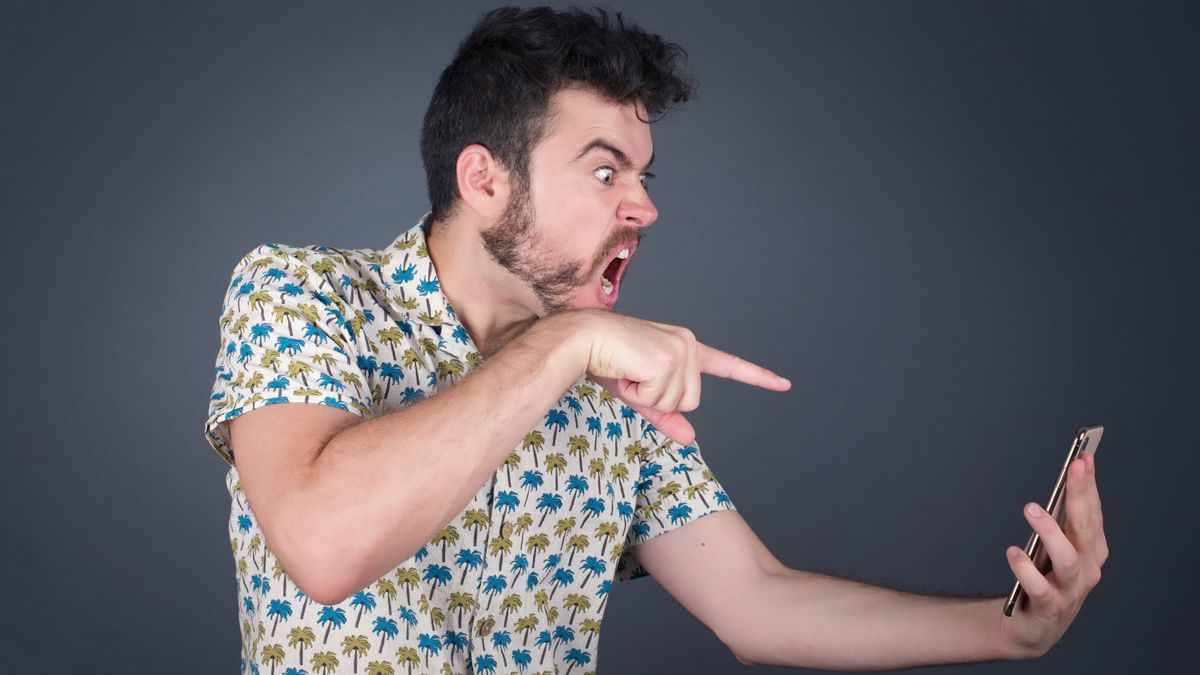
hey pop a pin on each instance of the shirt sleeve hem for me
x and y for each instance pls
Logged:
(216, 429)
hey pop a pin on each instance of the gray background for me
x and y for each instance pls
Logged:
(962, 229)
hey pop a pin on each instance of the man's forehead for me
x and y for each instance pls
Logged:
(580, 118)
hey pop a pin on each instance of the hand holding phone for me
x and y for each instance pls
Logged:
(1086, 440)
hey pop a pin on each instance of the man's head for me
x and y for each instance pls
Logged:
(497, 90)
(541, 95)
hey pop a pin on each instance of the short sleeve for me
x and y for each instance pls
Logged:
(675, 486)
(282, 340)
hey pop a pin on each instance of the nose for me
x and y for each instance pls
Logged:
(637, 209)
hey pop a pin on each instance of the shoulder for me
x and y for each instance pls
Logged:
(314, 273)
(304, 291)
(272, 261)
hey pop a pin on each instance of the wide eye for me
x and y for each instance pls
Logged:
(605, 174)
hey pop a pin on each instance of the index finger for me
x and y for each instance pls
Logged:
(716, 362)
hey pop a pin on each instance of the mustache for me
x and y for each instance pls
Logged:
(631, 236)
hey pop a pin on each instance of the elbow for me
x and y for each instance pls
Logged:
(322, 590)
(743, 660)
(744, 636)
(330, 563)
(327, 579)
(323, 582)
(331, 556)
(737, 648)
(322, 568)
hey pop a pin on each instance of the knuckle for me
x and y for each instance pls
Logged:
(638, 399)
(682, 341)
(1073, 573)
(654, 402)
(647, 390)
(669, 398)
(675, 403)
(689, 403)
(664, 362)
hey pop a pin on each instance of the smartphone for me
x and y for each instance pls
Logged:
(1086, 440)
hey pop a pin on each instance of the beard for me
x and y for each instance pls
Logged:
(514, 243)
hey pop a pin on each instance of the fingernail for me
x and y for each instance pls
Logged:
(785, 380)
(1033, 511)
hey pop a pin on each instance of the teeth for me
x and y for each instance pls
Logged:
(607, 286)
(623, 254)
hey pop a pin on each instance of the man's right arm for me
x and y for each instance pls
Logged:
(342, 503)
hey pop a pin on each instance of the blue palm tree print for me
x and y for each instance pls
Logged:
(331, 617)
(259, 332)
(409, 618)
(485, 663)
(556, 420)
(430, 644)
(427, 287)
(386, 628)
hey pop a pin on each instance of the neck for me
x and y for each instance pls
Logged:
(492, 304)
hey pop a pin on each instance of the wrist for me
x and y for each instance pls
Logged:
(568, 340)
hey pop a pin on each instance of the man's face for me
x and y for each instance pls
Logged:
(585, 202)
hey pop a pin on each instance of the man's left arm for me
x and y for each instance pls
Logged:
(767, 613)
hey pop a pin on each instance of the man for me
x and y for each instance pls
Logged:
(492, 446)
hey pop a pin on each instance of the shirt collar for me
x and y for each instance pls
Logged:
(414, 290)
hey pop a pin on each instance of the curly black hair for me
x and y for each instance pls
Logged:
(496, 92)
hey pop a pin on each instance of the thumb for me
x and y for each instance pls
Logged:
(673, 424)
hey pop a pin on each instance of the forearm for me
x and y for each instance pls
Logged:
(813, 620)
(381, 489)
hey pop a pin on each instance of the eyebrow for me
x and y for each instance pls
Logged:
(622, 158)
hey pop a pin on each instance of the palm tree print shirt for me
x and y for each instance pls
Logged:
(518, 581)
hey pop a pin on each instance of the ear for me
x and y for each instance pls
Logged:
(482, 182)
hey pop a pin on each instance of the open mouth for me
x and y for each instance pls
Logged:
(610, 279)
